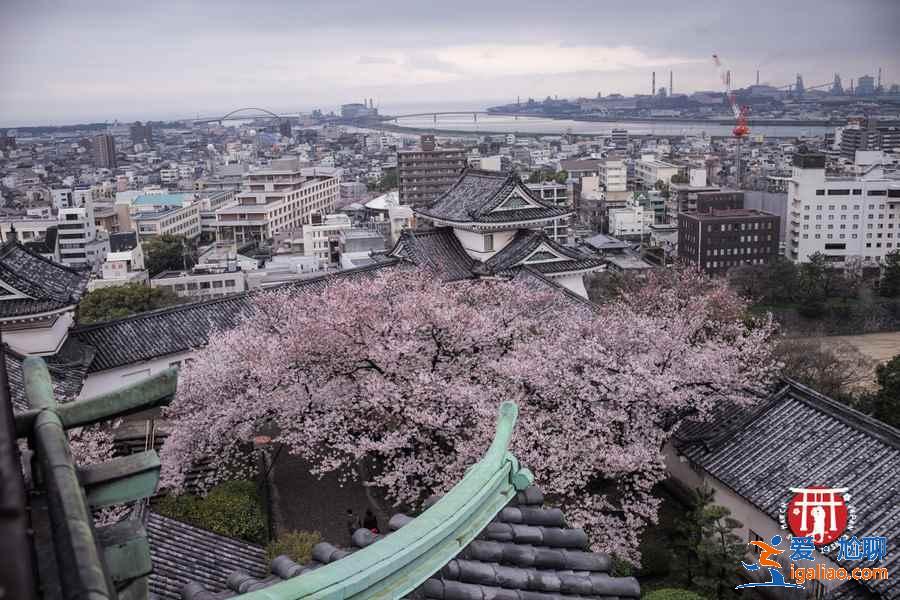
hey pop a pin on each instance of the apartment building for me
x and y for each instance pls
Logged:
(842, 217)
(427, 172)
(321, 238)
(866, 134)
(105, 151)
(556, 194)
(278, 199)
(613, 174)
(79, 243)
(649, 170)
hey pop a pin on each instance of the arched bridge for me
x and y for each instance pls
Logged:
(236, 111)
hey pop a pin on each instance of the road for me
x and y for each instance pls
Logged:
(878, 346)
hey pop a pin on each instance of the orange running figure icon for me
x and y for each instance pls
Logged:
(767, 551)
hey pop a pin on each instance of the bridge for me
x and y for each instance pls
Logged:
(236, 111)
(385, 118)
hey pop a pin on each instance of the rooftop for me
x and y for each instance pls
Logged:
(809, 437)
(162, 199)
(42, 285)
(490, 197)
(729, 213)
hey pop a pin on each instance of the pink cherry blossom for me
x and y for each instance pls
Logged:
(405, 373)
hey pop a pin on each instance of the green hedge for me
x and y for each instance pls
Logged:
(233, 509)
(672, 594)
(298, 545)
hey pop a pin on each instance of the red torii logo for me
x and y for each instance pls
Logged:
(819, 513)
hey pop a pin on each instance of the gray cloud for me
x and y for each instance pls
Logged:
(376, 60)
(74, 60)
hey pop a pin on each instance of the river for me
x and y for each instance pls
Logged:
(538, 125)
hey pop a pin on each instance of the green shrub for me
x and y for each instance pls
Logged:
(621, 567)
(673, 594)
(232, 508)
(298, 545)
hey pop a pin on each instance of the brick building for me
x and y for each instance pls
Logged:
(723, 238)
(427, 172)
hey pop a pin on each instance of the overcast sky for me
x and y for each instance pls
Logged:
(72, 61)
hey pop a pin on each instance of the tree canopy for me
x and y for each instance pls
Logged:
(166, 253)
(404, 374)
(116, 302)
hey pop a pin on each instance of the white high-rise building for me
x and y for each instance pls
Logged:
(842, 217)
(276, 200)
(614, 175)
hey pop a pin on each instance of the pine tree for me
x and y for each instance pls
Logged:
(708, 547)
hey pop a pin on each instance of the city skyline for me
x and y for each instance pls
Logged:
(99, 63)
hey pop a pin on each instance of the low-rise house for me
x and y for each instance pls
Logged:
(124, 263)
(798, 438)
(201, 283)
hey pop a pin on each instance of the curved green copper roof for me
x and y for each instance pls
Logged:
(399, 563)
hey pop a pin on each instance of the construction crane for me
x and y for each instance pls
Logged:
(741, 129)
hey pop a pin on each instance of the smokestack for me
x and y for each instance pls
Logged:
(671, 80)
(879, 77)
(728, 78)
(757, 77)
(653, 84)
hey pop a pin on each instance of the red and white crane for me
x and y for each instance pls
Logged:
(741, 129)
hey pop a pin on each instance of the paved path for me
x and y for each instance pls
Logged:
(878, 346)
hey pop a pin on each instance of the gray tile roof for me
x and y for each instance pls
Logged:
(527, 241)
(810, 440)
(438, 250)
(182, 554)
(527, 553)
(67, 371)
(180, 328)
(48, 285)
(476, 193)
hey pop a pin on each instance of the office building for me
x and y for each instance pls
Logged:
(842, 217)
(718, 240)
(278, 199)
(427, 172)
(105, 151)
(166, 214)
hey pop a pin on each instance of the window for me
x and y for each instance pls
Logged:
(876, 193)
(857, 192)
(820, 192)
(838, 192)
(489, 242)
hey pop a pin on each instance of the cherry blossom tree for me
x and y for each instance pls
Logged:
(404, 372)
